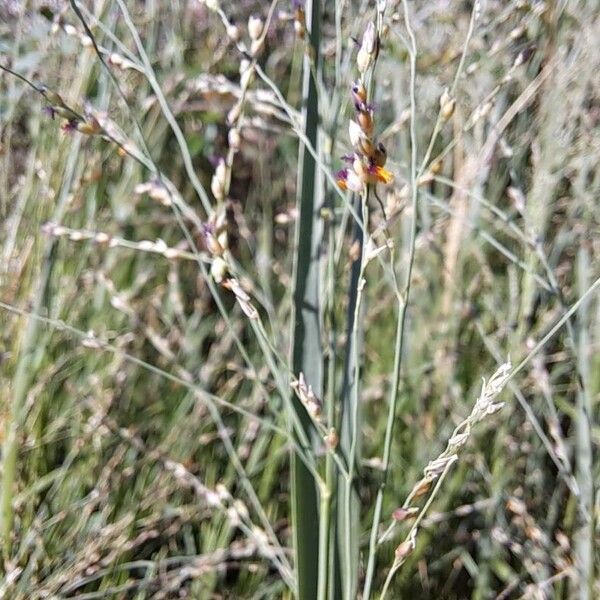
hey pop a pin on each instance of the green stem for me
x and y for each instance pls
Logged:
(401, 323)
(324, 539)
(412, 533)
(584, 473)
(349, 517)
(328, 572)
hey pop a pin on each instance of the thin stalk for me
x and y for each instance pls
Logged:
(166, 110)
(328, 572)
(440, 121)
(584, 535)
(349, 514)
(324, 539)
(401, 323)
(412, 533)
(306, 347)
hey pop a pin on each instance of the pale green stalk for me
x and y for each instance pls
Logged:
(328, 560)
(401, 322)
(348, 501)
(440, 121)
(413, 530)
(584, 536)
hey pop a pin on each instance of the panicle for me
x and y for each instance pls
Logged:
(369, 156)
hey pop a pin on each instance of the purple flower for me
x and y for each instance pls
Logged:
(49, 111)
(208, 229)
(214, 160)
(70, 126)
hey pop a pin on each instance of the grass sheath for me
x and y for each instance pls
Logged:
(306, 347)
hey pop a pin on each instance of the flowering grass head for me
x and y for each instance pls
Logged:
(299, 18)
(348, 179)
(367, 161)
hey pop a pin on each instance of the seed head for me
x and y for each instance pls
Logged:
(90, 126)
(369, 41)
(233, 31)
(368, 49)
(299, 19)
(52, 97)
(255, 27)
(447, 105)
(355, 132)
(234, 139)
(246, 73)
(234, 114)
(219, 179)
(218, 269)
(332, 439)
(403, 550)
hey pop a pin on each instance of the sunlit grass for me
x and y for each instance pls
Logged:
(223, 375)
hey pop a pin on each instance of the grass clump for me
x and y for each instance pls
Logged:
(256, 262)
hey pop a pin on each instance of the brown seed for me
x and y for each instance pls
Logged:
(367, 147)
(365, 120)
(359, 92)
(421, 487)
(447, 105)
(436, 167)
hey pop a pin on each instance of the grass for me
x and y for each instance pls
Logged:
(311, 533)
(231, 378)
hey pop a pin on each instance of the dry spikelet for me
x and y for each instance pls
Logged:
(447, 105)
(255, 27)
(332, 439)
(401, 514)
(406, 547)
(421, 487)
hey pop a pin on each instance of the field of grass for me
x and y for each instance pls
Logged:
(228, 370)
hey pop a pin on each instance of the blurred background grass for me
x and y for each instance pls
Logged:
(119, 468)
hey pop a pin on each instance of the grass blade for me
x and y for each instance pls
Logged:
(307, 351)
